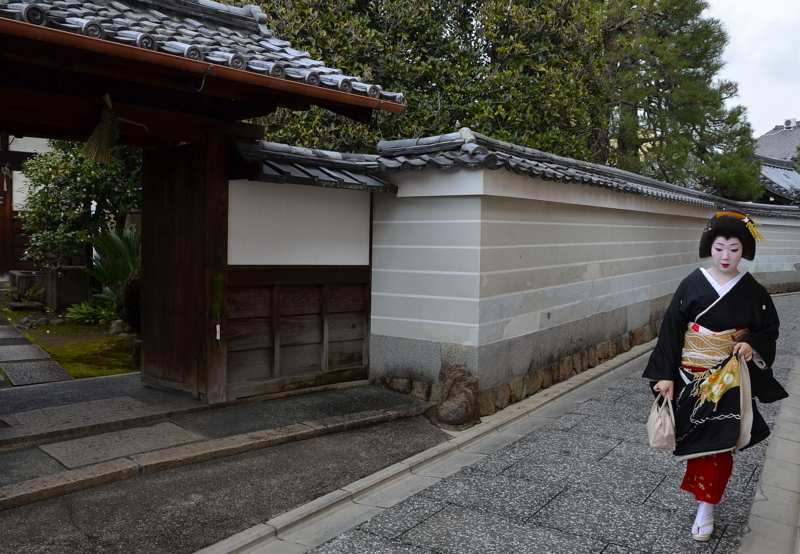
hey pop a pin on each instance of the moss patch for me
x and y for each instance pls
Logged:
(93, 357)
(82, 350)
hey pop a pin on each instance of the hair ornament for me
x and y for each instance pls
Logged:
(749, 223)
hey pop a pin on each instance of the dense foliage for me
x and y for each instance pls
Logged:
(667, 109)
(524, 72)
(621, 82)
(71, 200)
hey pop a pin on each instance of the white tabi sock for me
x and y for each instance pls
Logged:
(704, 522)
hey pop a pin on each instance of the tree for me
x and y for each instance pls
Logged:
(627, 83)
(71, 200)
(522, 71)
(665, 105)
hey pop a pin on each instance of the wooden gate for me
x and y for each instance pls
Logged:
(295, 325)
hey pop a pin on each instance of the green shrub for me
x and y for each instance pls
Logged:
(31, 294)
(93, 312)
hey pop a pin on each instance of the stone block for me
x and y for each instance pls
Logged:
(118, 444)
(638, 337)
(26, 306)
(532, 382)
(486, 400)
(398, 384)
(517, 389)
(577, 363)
(459, 402)
(23, 280)
(66, 286)
(503, 396)
(547, 376)
(647, 333)
(35, 372)
(565, 368)
(602, 351)
(612, 348)
(421, 390)
(657, 327)
(436, 392)
(591, 357)
(626, 342)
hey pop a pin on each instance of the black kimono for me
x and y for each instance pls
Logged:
(746, 305)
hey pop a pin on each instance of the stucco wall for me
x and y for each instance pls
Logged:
(426, 268)
(280, 224)
(505, 273)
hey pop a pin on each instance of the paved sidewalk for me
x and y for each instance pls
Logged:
(186, 433)
(575, 476)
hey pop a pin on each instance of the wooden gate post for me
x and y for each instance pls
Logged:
(185, 245)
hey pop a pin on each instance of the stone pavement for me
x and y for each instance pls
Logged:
(25, 363)
(574, 476)
(186, 432)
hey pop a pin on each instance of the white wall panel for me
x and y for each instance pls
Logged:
(280, 224)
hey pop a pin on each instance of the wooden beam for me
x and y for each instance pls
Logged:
(69, 115)
(216, 263)
(109, 58)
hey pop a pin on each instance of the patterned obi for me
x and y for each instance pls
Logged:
(704, 348)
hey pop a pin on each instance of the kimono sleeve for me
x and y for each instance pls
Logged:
(666, 356)
(764, 335)
(762, 338)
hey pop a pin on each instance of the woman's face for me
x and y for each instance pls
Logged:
(726, 254)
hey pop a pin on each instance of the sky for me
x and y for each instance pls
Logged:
(763, 56)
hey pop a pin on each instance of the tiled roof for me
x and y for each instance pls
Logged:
(281, 163)
(780, 177)
(779, 143)
(197, 29)
(470, 150)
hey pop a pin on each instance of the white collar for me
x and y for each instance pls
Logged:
(722, 290)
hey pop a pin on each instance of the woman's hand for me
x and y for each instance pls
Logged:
(665, 387)
(743, 349)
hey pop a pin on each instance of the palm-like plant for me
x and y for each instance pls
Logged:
(118, 256)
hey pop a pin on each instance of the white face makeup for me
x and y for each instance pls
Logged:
(726, 255)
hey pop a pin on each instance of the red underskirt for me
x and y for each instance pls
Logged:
(706, 477)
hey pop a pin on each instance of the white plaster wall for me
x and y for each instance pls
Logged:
(19, 190)
(280, 224)
(426, 268)
(19, 182)
(476, 257)
(28, 144)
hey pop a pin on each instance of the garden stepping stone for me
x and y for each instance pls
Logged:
(24, 363)
(10, 332)
(33, 373)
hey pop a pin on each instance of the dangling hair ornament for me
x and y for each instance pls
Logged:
(749, 223)
(751, 226)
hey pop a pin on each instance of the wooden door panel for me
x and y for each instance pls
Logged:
(288, 324)
(346, 326)
(249, 364)
(250, 302)
(346, 298)
(299, 300)
(301, 329)
(345, 354)
(248, 334)
(300, 360)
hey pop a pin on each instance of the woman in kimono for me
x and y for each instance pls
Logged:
(714, 354)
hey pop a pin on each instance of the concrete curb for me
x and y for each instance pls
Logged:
(17, 437)
(250, 539)
(50, 486)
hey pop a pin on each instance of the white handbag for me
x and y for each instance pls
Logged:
(661, 424)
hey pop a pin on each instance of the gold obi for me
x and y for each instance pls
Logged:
(704, 348)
